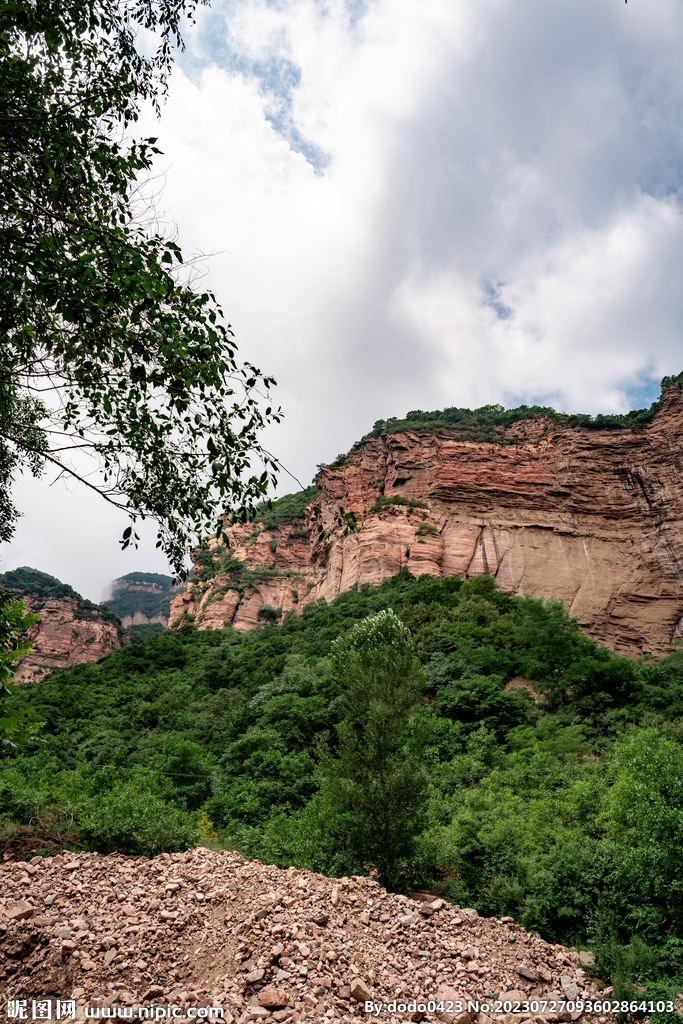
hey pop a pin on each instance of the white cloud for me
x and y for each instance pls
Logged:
(446, 203)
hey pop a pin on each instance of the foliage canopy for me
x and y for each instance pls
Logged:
(552, 767)
(491, 422)
(107, 350)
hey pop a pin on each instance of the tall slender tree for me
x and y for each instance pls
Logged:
(376, 786)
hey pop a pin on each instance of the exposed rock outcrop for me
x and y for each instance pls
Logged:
(64, 637)
(71, 630)
(592, 517)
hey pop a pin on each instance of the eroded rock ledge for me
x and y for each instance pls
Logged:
(592, 517)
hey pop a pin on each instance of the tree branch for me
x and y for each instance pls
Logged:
(64, 469)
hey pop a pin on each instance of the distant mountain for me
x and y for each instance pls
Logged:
(585, 509)
(139, 598)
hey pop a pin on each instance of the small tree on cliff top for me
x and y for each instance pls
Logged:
(376, 787)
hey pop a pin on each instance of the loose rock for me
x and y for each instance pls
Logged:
(215, 929)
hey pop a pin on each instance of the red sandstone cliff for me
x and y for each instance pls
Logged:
(593, 517)
(70, 629)
(63, 637)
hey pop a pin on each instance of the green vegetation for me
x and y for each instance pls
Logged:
(375, 790)
(291, 508)
(146, 592)
(219, 561)
(559, 801)
(39, 585)
(17, 725)
(396, 499)
(490, 422)
(36, 583)
(143, 365)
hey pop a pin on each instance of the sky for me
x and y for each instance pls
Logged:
(412, 206)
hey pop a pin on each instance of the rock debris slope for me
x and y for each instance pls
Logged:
(213, 929)
(592, 517)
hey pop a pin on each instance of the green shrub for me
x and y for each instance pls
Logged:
(136, 822)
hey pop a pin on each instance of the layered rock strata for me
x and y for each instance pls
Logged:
(591, 517)
(205, 929)
(65, 636)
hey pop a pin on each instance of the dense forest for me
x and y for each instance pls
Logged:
(552, 770)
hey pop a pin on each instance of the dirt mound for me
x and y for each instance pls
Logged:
(203, 929)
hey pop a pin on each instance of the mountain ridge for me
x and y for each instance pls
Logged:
(590, 514)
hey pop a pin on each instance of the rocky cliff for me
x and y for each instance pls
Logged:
(71, 630)
(591, 516)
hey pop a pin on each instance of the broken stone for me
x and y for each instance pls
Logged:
(19, 911)
(272, 998)
(448, 996)
(525, 972)
(153, 992)
(514, 996)
(407, 919)
(569, 987)
(586, 959)
(359, 990)
(226, 906)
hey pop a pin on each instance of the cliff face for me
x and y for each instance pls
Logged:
(64, 638)
(71, 630)
(593, 517)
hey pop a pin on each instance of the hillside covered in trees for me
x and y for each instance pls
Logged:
(552, 769)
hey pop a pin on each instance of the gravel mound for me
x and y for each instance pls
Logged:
(206, 929)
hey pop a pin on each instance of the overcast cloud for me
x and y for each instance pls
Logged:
(454, 202)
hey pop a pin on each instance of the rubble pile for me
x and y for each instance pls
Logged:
(213, 929)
